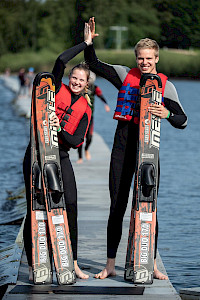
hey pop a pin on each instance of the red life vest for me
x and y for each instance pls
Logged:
(71, 115)
(127, 101)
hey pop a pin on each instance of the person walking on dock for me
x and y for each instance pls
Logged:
(70, 135)
(29, 80)
(22, 81)
(93, 90)
(123, 156)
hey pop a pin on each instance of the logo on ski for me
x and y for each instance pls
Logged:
(155, 121)
(144, 254)
(147, 91)
(62, 247)
(155, 132)
(142, 275)
(51, 111)
(147, 130)
(42, 237)
(42, 274)
(44, 92)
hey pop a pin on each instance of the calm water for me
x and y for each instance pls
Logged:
(178, 202)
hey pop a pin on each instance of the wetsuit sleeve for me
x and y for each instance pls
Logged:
(62, 60)
(98, 93)
(75, 140)
(113, 73)
(178, 118)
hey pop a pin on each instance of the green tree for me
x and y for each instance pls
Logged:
(141, 19)
(13, 28)
(180, 22)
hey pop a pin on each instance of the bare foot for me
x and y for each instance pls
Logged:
(157, 274)
(87, 155)
(79, 273)
(30, 273)
(79, 161)
(109, 270)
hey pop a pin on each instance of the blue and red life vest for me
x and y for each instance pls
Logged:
(71, 115)
(127, 101)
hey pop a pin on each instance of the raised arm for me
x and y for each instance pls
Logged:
(113, 73)
(67, 55)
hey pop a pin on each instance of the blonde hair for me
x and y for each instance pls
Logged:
(147, 44)
(86, 96)
(83, 66)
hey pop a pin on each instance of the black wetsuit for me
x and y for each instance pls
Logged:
(71, 141)
(123, 156)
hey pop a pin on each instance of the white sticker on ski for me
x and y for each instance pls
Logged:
(41, 215)
(50, 157)
(58, 219)
(146, 216)
(147, 156)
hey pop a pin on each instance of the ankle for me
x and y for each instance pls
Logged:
(110, 263)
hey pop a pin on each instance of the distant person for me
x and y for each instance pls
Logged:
(22, 81)
(7, 72)
(93, 90)
(124, 151)
(68, 98)
(29, 80)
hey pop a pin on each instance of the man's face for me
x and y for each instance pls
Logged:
(146, 61)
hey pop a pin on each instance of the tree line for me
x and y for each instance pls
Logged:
(58, 24)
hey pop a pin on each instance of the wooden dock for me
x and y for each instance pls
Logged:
(93, 210)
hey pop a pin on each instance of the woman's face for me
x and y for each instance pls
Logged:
(78, 81)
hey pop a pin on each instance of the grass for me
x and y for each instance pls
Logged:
(173, 63)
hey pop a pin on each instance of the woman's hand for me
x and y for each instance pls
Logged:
(87, 34)
(92, 27)
(54, 121)
(159, 111)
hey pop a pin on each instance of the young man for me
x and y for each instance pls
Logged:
(123, 156)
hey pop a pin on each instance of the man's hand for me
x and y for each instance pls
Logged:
(158, 110)
(92, 27)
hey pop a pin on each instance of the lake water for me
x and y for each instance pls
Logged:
(178, 199)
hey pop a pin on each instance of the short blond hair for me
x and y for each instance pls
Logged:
(147, 44)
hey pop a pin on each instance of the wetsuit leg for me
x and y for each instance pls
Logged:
(27, 225)
(89, 134)
(156, 237)
(80, 148)
(70, 195)
(122, 167)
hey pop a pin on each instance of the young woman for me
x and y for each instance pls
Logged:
(70, 136)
